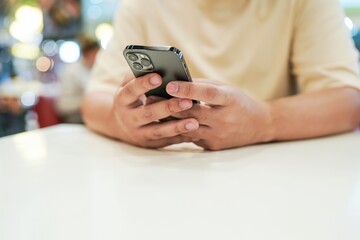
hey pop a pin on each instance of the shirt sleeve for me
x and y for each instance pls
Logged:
(71, 88)
(110, 66)
(323, 54)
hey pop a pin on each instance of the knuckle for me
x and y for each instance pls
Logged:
(127, 90)
(156, 134)
(211, 93)
(187, 89)
(147, 115)
(230, 97)
(170, 107)
(229, 120)
(178, 129)
(202, 117)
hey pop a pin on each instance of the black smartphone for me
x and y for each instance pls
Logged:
(167, 61)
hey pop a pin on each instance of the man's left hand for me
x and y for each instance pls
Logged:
(228, 118)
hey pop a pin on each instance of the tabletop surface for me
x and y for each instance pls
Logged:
(66, 182)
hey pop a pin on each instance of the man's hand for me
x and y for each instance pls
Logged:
(138, 123)
(228, 118)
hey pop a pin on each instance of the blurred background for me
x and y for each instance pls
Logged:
(47, 48)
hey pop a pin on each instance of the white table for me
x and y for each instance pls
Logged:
(66, 182)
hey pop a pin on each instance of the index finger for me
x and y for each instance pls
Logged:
(137, 87)
(207, 93)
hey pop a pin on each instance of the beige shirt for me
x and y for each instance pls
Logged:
(73, 79)
(266, 48)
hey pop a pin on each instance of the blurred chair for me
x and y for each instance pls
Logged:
(46, 111)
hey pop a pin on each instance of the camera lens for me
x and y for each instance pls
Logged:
(145, 62)
(132, 57)
(137, 66)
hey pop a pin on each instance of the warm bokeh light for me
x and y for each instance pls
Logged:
(30, 17)
(44, 64)
(25, 51)
(28, 25)
(69, 51)
(23, 34)
(104, 33)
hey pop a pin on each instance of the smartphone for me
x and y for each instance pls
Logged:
(167, 61)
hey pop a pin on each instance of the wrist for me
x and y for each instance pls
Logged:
(268, 126)
(111, 125)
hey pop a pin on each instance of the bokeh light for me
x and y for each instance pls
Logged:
(50, 48)
(28, 99)
(28, 25)
(104, 33)
(44, 64)
(25, 51)
(349, 23)
(30, 17)
(69, 51)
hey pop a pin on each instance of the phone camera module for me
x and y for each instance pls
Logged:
(140, 62)
(132, 57)
(137, 66)
(145, 62)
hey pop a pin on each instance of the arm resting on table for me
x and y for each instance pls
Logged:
(315, 114)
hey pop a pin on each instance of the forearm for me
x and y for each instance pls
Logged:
(315, 114)
(97, 113)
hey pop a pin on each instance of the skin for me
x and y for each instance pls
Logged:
(226, 118)
(126, 118)
(11, 105)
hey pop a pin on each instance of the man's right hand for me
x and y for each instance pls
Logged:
(139, 124)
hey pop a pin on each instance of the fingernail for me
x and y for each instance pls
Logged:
(191, 126)
(155, 80)
(185, 104)
(172, 88)
(195, 139)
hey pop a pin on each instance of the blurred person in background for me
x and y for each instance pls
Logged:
(12, 118)
(263, 71)
(73, 79)
(12, 114)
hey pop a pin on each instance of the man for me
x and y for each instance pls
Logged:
(73, 80)
(260, 54)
